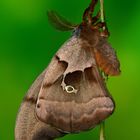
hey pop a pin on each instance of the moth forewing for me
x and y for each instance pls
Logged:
(78, 111)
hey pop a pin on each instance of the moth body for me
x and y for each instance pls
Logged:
(70, 96)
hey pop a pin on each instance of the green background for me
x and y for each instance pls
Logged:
(28, 42)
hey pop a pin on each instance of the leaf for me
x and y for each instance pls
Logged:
(60, 22)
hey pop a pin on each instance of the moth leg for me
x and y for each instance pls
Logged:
(96, 18)
(87, 16)
(105, 32)
(103, 27)
(99, 26)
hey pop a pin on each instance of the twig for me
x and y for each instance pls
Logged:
(102, 12)
(102, 131)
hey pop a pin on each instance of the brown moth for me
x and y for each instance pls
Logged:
(70, 96)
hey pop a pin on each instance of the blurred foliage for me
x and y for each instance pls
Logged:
(28, 42)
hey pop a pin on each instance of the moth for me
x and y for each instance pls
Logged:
(70, 95)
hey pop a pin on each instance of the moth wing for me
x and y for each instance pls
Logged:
(76, 111)
(28, 127)
(106, 58)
